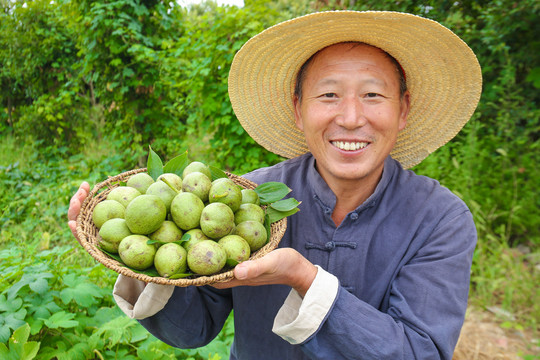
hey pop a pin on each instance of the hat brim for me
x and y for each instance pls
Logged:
(443, 77)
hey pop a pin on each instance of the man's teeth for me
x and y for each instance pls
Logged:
(350, 146)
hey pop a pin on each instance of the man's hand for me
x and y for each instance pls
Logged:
(282, 266)
(75, 206)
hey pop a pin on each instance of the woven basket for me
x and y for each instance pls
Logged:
(87, 234)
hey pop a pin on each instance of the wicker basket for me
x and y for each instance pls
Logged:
(87, 234)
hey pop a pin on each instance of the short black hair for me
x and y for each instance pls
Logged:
(300, 77)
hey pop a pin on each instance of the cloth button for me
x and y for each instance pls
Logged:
(354, 216)
(330, 246)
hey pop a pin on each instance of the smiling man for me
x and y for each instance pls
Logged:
(376, 264)
(349, 106)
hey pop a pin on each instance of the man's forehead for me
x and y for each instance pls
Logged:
(350, 52)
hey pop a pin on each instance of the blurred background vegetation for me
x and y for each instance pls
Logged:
(86, 86)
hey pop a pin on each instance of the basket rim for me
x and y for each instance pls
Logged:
(87, 231)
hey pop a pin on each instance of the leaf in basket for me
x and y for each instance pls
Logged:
(177, 164)
(285, 205)
(154, 164)
(150, 272)
(179, 276)
(217, 173)
(232, 262)
(111, 255)
(151, 242)
(274, 215)
(185, 238)
(271, 192)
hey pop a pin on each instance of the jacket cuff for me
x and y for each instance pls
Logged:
(298, 319)
(139, 300)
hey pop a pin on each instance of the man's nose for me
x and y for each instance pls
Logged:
(351, 113)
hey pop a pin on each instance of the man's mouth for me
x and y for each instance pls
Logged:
(349, 146)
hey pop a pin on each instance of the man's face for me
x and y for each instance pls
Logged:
(351, 111)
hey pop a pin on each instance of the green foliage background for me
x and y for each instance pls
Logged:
(87, 85)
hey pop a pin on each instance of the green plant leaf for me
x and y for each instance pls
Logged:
(285, 205)
(4, 337)
(19, 346)
(4, 352)
(21, 334)
(61, 319)
(276, 215)
(112, 255)
(232, 262)
(151, 271)
(84, 293)
(216, 173)
(180, 276)
(271, 192)
(154, 164)
(152, 241)
(177, 164)
(185, 237)
(9, 306)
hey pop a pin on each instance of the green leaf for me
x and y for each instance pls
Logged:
(271, 192)
(13, 320)
(285, 205)
(10, 305)
(534, 77)
(276, 215)
(4, 336)
(180, 276)
(150, 272)
(19, 346)
(232, 262)
(4, 352)
(154, 164)
(217, 173)
(21, 334)
(80, 290)
(177, 164)
(40, 285)
(112, 255)
(61, 319)
(185, 237)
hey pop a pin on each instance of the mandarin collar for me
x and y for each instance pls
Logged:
(327, 197)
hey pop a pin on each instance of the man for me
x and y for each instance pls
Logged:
(376, 264)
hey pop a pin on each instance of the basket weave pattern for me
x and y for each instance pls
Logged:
(87, 234)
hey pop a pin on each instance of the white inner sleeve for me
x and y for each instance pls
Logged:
(299, 318)
(139, 300)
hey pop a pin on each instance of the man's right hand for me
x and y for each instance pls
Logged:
(75, 206)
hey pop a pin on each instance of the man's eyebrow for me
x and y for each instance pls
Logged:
(369, 80)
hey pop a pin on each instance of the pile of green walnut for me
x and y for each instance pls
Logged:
(182, 225)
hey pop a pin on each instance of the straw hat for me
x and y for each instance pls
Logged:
(443, 77)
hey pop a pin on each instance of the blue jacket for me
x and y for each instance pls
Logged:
(403, 262)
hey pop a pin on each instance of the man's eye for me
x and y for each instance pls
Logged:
(329, 95)
(371, 95)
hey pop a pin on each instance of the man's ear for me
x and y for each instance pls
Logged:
(405, 107)
(298, 113)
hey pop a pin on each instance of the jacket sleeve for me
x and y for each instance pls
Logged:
(425, 311)
(192, 317)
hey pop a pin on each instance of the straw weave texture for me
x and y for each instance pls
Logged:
(87, 234)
